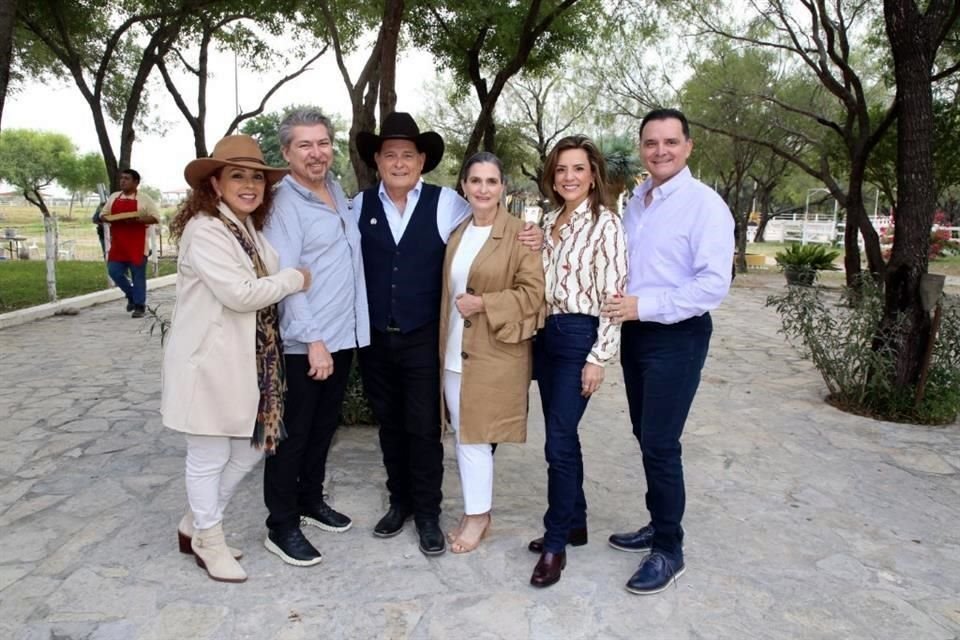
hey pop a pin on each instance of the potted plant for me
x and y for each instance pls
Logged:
(801, 262)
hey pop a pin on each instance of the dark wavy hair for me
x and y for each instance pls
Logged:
(204, 200)
(598, 167)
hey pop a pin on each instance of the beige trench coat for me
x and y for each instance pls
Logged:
(209, 375)
(497, 360)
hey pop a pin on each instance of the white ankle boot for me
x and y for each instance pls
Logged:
(185, 536)
(211, 552)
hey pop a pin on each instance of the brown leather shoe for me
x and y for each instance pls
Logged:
(547, 571)
(575, 538)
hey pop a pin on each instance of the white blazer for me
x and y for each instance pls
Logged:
(209, 375)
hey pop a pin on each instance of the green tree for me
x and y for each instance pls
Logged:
(82, 176)
(623, 167)
(485, 43)
(108, 49)
(344, 23)
(245, 29)
(32, 161)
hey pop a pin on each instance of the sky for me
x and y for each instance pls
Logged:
(161, 156)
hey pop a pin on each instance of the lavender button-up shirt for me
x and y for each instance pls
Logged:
(680, 249)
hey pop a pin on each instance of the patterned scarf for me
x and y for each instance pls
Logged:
(269, 429)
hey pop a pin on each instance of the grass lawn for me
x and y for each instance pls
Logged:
(23, 283)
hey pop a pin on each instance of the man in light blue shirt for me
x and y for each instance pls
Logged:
(680, 251)
(312, 225)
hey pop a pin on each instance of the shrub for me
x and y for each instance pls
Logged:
(800, 262)
(839, 333)
(355, 409)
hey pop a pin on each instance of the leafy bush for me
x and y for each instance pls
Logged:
(355, 409)
(839, 335)
(800, 262)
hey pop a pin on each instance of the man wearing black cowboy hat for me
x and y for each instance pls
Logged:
(404, 226)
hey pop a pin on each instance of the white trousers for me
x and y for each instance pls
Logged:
(475, 461)
(215, 467)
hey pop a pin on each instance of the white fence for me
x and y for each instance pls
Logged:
(812, 228)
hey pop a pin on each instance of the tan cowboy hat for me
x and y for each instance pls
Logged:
(236, 151)
(401, 126)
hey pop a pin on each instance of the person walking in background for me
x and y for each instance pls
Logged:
(492, 306)
(681, 241)
(129, 213)
(585, 260)
(222, 378)
(312, 224)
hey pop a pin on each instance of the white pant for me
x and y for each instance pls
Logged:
(215, 467)
(475, 461)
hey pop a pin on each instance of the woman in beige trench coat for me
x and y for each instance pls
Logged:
(493, 303)
(222, 376)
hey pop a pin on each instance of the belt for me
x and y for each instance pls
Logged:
(392, 329)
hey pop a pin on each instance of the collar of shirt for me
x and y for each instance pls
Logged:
(306, 193)
(581, 213)
(413, 196)
(665, 189)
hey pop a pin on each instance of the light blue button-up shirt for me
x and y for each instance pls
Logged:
(305, 231)
(680, 249)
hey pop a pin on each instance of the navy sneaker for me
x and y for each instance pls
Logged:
(325, 517)
(655, 574)
(292, 547)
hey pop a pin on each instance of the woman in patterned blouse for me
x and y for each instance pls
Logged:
(585, 260)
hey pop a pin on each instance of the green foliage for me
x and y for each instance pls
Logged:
(813, 256)
(84, 174)
(32, 160)
(843, 339)
(497, 27)
(355, 409)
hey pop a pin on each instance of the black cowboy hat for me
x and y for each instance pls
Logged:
(401, 126)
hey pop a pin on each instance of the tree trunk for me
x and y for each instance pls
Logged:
(8, 15)
(916, 195)
(392, 16)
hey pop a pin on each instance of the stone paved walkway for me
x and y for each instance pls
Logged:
(802, 522)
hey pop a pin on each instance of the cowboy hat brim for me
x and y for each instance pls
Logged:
(428, 143)
(200, 169)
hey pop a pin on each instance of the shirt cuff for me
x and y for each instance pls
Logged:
(647, 307)
(304, 332)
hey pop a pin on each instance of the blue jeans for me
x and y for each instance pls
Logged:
(136, 288)
(560, 351)
(661, 373)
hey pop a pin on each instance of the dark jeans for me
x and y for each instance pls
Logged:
(136, 287)
(401, 378)
(293, 476)
(560, 351)
(661, 372)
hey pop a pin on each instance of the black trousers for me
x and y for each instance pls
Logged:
(293, 477)
(401, 377)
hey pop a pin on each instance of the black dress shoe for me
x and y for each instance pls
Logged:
(292, 547)
(139, 311)
(575, 538)
(633, 541)
(548, 569)
(391, 523)
(432, 542)
(655, 574)
(325, 517)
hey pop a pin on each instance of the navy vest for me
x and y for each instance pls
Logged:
(404, 281)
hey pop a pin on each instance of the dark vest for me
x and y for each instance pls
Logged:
(404, 281)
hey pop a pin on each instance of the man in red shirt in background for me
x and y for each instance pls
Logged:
(129, 212)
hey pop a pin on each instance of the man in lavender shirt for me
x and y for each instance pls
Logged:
(680, 248)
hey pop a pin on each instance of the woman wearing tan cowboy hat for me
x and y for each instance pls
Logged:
(222, 364)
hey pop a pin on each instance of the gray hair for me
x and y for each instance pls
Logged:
(302, 117)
